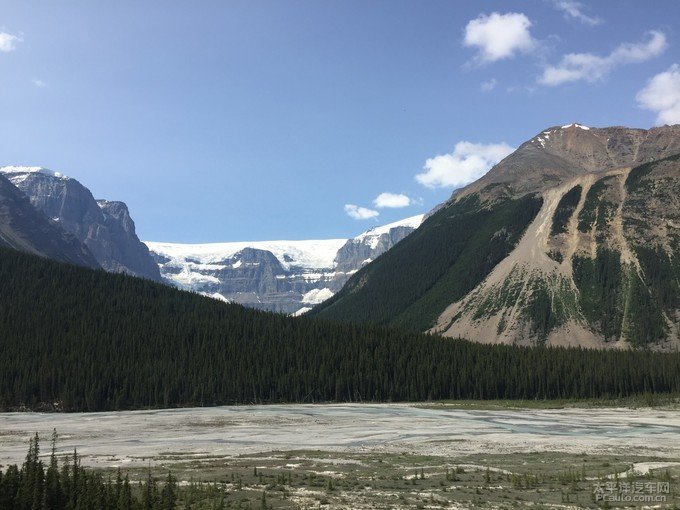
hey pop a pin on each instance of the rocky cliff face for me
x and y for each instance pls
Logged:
(105, 228)
(24, 228)
(117, 243)
(279, 276)
(571, 240)
(360, 250)
(282, 276)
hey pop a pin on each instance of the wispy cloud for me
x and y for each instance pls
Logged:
(467, 163)
(574, 10)
(489, 85)
(360, 213)
(590, 67)
(8, 42)
(662, 95)
(39, 83)
(498, 36)
(391, 200)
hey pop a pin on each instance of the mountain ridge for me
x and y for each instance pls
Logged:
(561, 152)
(580, 272)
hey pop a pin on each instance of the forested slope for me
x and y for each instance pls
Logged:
(72, 338)
(443, 260)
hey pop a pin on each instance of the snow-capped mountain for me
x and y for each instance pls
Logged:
(368, 245)
(104, 227)
(284, 276)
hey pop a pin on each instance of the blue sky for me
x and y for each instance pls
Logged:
(257, 120)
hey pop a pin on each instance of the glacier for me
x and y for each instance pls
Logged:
(284, 276)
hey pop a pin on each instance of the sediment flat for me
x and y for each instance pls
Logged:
(130, 438)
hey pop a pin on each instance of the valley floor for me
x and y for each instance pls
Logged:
(375, 456)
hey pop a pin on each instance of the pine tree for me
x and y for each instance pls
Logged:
(125, 497)
(38, 482)
(29, 487)
(169, 493)
(53, 492)
(10, 487)
(149, 492)
(75, 481)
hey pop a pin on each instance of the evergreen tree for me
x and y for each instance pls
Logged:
(169, 493)
(29, 494)
(125, 497)
(53, 492)
(149, 492)
(76, 486)
(9, 488)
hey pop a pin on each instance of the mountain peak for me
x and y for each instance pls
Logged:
(24, 228)
(19, 169)
(556, 131)
(412, 222)
(576, 126)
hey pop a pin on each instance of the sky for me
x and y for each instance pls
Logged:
(262, 120)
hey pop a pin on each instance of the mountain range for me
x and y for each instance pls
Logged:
(572, 239)
(50, 214)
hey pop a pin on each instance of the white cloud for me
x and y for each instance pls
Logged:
(39, 83)
(662, 95)
(467, 163)
(498, 36)
(360, 213)
(489, 85)
(590, 67)
(391, 200)
(8, 42)
(573, 9)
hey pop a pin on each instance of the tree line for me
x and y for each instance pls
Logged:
(36, 486)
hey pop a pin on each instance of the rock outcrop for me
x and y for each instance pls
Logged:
(105, 228)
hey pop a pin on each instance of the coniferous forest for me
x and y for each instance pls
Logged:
(75, 339)
(70, 486)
